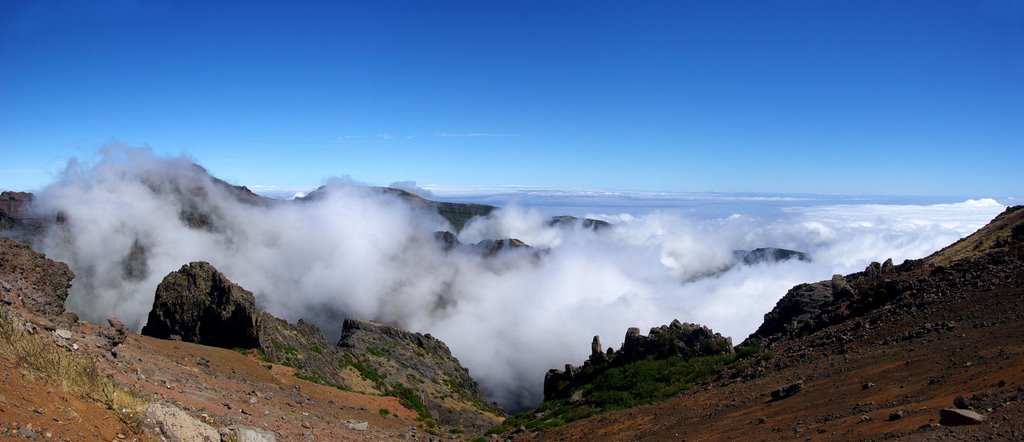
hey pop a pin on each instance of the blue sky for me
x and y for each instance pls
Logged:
(847, 97)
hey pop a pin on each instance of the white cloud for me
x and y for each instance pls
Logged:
(509, 318)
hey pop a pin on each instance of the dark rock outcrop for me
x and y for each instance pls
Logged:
(14, 209)
(983, 259)
(199, 304)
(787, 390)
(458, 214)
(303, 347)
(487, 248)
(17, 220)
(31, 281)
(769, 254)
(801, 306)
(447, 239)
(117, 333)
(683, 340)
(572, 221)
(491, 247)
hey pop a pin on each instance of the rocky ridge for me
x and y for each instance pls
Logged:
(682, 340)
(199, 304)
(16, 220)
(769, 254)
(924, 350)
(30, 281)
(993, 252)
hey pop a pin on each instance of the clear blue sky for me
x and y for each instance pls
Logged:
(877, 97)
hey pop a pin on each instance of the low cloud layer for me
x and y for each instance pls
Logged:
(508, 318)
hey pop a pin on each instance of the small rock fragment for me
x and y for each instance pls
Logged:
(787, 390)
(954, 417)
(962, 403)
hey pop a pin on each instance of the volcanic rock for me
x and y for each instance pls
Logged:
(677, 339)
(423, 366)
(177, 425)
(788, 390)
(117, 333)
(956, 416)
(447, 239)
(572, 221)
(303, 346)
(796, 309)
(491, 247)
(245, 433)
(597, 354)
(769, 254)
(16, 219)
(201, 305)
(458, 214)
(31, 281)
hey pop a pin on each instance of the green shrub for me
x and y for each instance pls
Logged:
(409, 399)
(629, 385)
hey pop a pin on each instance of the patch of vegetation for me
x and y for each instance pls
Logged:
(410, 399)
(291, 357)
(376, 352)
(368, 371)
(459, 214)
(455, 431)
(384, 411)
(640, 382)
(77, 374)
(262, 357)
(317, 379)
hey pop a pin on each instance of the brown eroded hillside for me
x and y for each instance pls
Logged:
(879, 353)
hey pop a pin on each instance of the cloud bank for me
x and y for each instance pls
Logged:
(508, 318)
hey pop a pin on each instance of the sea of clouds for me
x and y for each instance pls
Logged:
(508, 318)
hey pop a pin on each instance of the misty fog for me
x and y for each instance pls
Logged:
(508, 318)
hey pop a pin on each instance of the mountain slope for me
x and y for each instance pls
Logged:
(877, 361)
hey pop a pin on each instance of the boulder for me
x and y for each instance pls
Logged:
(962, 403)
(245, 433)
(179, 426)
(199, 304)
(788, 390)
(597, 354)
(633, 342)
(955, 416)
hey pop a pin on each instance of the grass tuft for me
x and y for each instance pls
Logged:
(77, 374)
